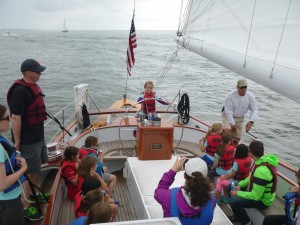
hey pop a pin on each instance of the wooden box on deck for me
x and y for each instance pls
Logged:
(155, 143)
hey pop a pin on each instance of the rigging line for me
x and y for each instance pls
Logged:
(92, 100)
(57, 121)
(206, 28)
(167, 67)
(61, 111)
(188, 14)
(179, 20)
(249, 33)
(287, 13)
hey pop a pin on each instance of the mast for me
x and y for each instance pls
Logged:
(64, 27)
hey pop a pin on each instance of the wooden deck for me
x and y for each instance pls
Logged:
(114, 150)
(126, 210)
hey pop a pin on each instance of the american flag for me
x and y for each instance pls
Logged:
(131, 45)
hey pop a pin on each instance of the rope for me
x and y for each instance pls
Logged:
(167, 67)
(287, 13)
(249, 33)
(184, 108)
(92, 100)
(206, 28)
(57, 121)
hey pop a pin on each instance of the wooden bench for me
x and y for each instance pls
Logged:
(117, 150)
(257, 216)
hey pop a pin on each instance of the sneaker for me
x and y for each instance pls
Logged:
(117, 203)
(232, 218)
(41, 197)
(225, 200)
(219, 202)
(32, 214)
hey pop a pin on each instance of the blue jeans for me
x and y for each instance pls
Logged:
(238, 205)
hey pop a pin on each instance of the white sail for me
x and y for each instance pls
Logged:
(257, 39)
(64, 27)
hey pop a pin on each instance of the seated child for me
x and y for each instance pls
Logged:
(100, 213)
(90, 148)
(68, 170)
(224, 158)
(87, 201)
(240, 171)
(210, 142)
(88, 185)
(149, 106)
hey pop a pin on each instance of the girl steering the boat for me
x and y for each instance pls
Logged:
(149, 97)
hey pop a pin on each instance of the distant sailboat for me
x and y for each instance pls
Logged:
(65, 27)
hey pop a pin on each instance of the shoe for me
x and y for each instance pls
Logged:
(232, 218)
(41, 197)
(32, 214)
(117, 203)
(219, 202)
(225, 200)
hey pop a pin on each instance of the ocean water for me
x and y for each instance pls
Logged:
(99, 59)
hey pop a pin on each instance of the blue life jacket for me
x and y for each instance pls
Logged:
(12, 157)
(204, 217)
(288, 200)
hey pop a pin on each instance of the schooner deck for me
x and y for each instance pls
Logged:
(115, 151)
(126, 210)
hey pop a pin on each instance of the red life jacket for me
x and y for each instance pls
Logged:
(72, 189)
(244, 168)
(148, 106)
(78, 197)
(212, 143)
(83, 152)
(274, 180)
(227, 158)
(66, 164)
(36, 112)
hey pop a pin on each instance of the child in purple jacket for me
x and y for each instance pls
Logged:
(191, 203)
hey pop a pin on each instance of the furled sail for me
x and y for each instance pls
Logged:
(257, 39)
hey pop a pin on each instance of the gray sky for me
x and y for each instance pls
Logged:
(89, 14)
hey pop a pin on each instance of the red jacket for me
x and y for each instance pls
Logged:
(244, 166)
(212, 143)
(68, 172)
(148, 106)
(36, 112)
(226, 160)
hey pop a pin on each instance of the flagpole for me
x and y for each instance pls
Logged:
(130, 55)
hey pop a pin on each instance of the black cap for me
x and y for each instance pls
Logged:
(32, 65)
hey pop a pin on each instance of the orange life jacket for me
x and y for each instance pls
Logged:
(226, 160)
(212, 143)
(244, 168)
(36, 112)
(148, 106)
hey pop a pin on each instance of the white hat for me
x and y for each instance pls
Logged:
(195, 165)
